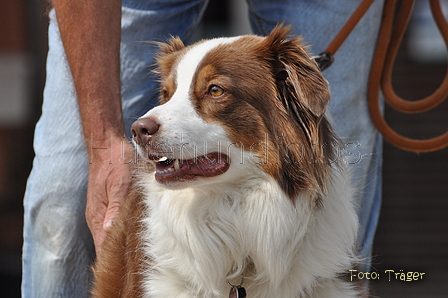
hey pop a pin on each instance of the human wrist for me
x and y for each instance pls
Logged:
(108, 148)
(103, 125)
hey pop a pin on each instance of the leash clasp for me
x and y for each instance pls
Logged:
(324, 60)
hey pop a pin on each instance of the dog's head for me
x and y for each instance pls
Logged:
(231, 104)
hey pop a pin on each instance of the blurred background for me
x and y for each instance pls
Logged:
(413, 229)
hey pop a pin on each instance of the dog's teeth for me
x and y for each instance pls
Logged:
(164, 158)
(169, 170)
(176, 164)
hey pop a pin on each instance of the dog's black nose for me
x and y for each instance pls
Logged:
(143, 129)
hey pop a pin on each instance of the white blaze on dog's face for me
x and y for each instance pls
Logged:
(232, 103)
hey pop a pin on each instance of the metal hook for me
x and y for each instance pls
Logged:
(324, 60)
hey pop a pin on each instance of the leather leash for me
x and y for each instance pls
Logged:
(389, 39)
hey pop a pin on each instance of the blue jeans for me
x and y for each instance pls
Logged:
(58, 248)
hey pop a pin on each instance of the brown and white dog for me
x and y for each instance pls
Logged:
(238, 179)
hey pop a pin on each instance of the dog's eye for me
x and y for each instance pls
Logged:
(215, 91)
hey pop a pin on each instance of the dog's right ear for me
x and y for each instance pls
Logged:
(167, 55)
(173, 44)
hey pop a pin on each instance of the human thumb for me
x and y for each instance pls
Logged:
(111, 215)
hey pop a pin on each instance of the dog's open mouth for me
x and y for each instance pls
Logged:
(179, 170)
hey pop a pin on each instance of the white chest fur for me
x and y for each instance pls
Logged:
(198, 239)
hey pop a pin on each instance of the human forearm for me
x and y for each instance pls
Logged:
(90, 32)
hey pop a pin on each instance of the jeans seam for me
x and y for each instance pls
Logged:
(199, 11)
(258, 19)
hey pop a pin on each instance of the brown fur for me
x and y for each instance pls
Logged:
(118, 270)
(168, 55)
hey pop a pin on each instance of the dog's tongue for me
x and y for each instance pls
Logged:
(177, 170)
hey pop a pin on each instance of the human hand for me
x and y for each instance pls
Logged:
(108, 186)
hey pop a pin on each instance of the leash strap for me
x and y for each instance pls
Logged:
(389, 40)
(325, 59)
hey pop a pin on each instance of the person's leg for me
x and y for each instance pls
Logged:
(318, 21)
(58, 249)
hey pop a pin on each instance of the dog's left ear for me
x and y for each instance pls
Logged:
(167, 54)
(297, 74)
